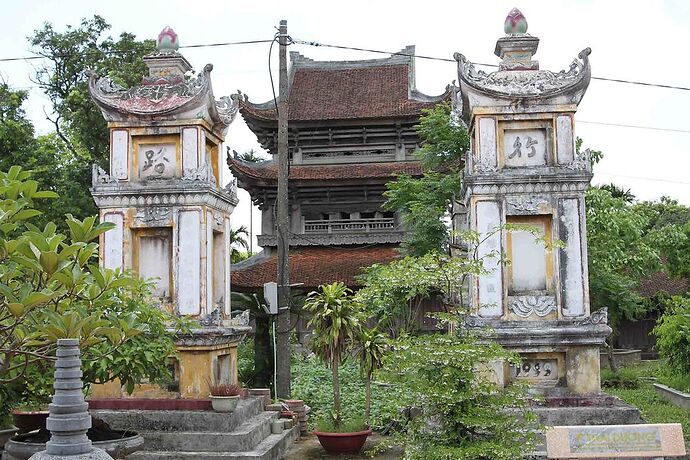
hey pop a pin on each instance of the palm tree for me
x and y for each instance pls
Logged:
(336, 319)
(619, 192)
(238, 237)
(369, 347)
(263, 352)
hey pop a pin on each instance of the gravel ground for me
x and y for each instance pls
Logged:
(308, 448)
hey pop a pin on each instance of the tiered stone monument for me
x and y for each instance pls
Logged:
(524, 168)
(171, 216)
(69, 419)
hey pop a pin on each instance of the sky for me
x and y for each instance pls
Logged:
(631, 40)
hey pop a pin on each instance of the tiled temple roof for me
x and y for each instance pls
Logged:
(312, 267)
(268, 170)
(347, 90)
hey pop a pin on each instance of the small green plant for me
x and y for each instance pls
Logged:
(351, 425)
(623, 378)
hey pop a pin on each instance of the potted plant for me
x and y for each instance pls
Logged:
(225, 396)
(336, 319)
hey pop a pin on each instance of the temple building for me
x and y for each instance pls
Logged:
(351, 130)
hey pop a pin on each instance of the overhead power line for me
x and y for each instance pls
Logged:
(419, 56)
(203, 45)
(620, 125)
(368, 50)
(653, 179)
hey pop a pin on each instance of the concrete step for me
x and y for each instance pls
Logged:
(274, 447)
(174, 420)
(244, 438)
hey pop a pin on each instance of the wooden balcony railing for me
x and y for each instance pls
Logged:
(349, 225)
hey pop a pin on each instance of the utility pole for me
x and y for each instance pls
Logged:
(283, 319)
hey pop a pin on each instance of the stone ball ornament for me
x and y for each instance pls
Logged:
(167, 40)
(515, 23)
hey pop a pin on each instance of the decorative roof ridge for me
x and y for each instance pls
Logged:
(149, 99)
(527, 83)
(263, 164)
(403, 57)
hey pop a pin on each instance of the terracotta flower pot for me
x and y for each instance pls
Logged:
(342, 443)
(26, 421)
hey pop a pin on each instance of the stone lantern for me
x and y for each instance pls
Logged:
(165, 197)
(525, 172)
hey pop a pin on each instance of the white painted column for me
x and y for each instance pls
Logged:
(113, 241)
(119, 158)
(190, 149)
(189, 263)
(565, 140)
(210, 300)
(226, 264)
(488, 157)
(490, 286)
(571, 270)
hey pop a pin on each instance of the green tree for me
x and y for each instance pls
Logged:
(51, 288)
(423, 202)
(445, 379)
(62, 160)
(263, 351)
(620, 254)
(63, 78)
(335, 319)
(238, 238)
(369, 347)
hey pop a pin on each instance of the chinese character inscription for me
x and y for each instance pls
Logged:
(525, 148)
(156, 161)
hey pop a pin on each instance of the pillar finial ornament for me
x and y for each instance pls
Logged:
(515, 23)
(167, 40)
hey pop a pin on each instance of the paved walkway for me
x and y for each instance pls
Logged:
(308, 448)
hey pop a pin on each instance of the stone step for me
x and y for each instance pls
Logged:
(177, 420)
(244, 438)
(622, 414)
(274, 447)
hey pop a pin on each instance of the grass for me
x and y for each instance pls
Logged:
(653, 407)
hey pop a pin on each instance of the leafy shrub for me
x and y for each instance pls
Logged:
(673, 334)
(457, 412)
(624, 378)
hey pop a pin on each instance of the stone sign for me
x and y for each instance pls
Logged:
(615, 441)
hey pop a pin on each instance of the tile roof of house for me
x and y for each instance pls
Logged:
(312, 267)
(268, 170)
(662, 282)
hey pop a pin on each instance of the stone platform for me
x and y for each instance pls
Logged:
(171, 434)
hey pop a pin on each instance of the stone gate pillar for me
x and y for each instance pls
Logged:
(164, 195)
(524, 171)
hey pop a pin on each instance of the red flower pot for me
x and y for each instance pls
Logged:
(27, 421)
(342, 443)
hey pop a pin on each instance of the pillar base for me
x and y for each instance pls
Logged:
(95, 454)
(559, 357)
